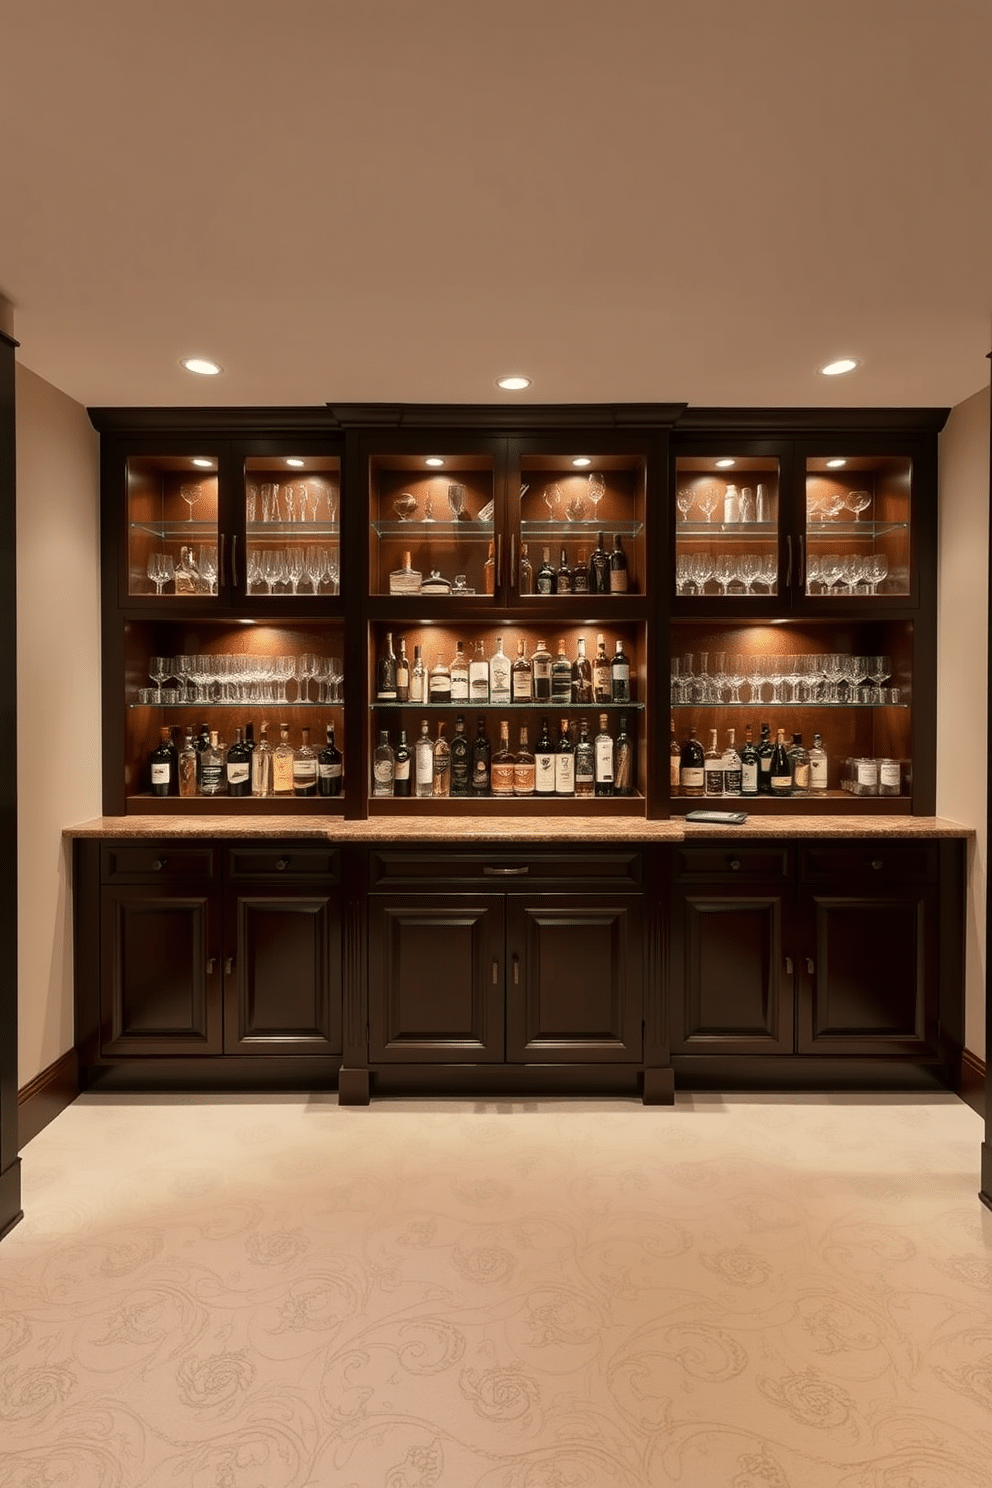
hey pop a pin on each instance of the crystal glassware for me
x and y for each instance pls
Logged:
(857, 502)
(404, 506)
(191, 495)
(596, 485)
(709, 500)
(684, 501)
(456, 502)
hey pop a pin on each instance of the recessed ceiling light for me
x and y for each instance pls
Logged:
(582, 460)
(836, 464)
(835, 369)
(200, 365)
(202, 464)
(296, 463)
(724, 464)
(513, 384)
(434, 460)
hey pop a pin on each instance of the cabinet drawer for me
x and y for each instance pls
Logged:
(414, 870)
(289, 861)
(874, 861)
(158, 861)
(717, 860)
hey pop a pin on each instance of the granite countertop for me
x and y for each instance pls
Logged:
(551, 829)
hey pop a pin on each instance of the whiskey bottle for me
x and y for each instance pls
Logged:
(749, 765)
(674, 763)
(522, 680)
(541, 664)
(623, 761)
(481, 760)
(620, 675)
(238, 767)
(164, 765)
(561, 677)
(401, 767)
(423, 763)
(212, 781)
(580, 573)
(525, 583)
(799, 766)
(330, 766)
(418, 678)
(499, 675)
(304, 768)
(599, 568)
(282, 764)
(461, 760)
(602, 674)
(779, 772)
(524, 767)
(618, 567)
(478, 676)
(188, 762)
(547, 582)
(402, 674)
(565, 762)
(818, 766)
(459, 674)
(503, 764)
(604, 758)
(563, 577)
(581, 674)
(261, 765)
(440, 683)
(386, 684)
(732, 767)
(383, 766)
(544, 763)
(713, 769)
(441, 779)
(692, 776)
(585, 763)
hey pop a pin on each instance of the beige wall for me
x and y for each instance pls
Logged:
(58, 697)
(962, 667)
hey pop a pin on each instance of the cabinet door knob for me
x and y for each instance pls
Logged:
(505, 872)
(159, 864)
(282, 864)
(735, 864)
(876, 863)
(229, 965)
(809, 965)
(211, 963)
(788, 965)
(516, 971)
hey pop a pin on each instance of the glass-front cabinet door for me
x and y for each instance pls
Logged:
(173, 525)
(857, 527)
(432, 529)
(581, 529)
(730, 527)
(292, 532)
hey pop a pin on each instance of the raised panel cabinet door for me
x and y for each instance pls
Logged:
(730, 989)
(282, 973)
(436, 978)
(869, 982)
(574, 980)
(160, 974)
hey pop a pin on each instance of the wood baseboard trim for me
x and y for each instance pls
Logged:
(972, 1086)
(45, 1096)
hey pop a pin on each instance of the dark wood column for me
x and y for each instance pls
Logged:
(10, 1168)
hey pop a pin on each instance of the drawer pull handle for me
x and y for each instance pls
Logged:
(229, 965)
(159, 864)
(495, 972)
(809, 965)
(735, 864)
(282, 864)
(788, 965)
(876, 863)
(506, 872)
(212, 962)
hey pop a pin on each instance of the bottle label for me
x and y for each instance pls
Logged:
(818, 774)
(401, 770)
(161, 772)
(713, 779)
(304, 770)
(333, 772)
(521, 687)
(238, 773)
(440, 689)
(580, 581)
(542, 679)
(889, 774)
(564, 582)
(692, 777)
(604, 760)
(502, 779)
(618, 581)
(459, 687)
(544, 583)
(425, 765)
(867, 772)
(211, 778)
(416, 687)
(383, 772)
(480, 775)
(386, 693)
(585, 773)
(544, 774)
(282, 772)
(621, 684)
(564, 774)
(749, 778)
(800, 777)
(781, 782)
(524, 778)
(479, 688)
(733, 781)
(675, 772)
(499, 679)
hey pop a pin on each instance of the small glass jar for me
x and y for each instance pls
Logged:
(864, 777)
(889, 777)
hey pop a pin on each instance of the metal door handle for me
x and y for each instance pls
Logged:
(495, 971)
(159, 863)
(505, 872)
(222, 537)
(809, 965)
(499, 558)
(788, 570)
(211, 963)
(735, 864)
(802, 563)
(788, 965)
(229, 965)
(234, 559)
(516, 971)
(513, 560)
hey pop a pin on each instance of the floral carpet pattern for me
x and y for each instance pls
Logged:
(276, 1292)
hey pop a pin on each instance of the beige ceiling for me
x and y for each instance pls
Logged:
(385, 200)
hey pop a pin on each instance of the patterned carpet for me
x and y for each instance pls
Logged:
(266, 1292)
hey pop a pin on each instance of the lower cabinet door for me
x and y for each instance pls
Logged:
(436, 978)
(160, 977)
(870, 982)
(574, 981)
(732, 987)
(282, 973)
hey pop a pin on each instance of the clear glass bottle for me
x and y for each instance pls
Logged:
(212, 781)
(818, 765)
(330, 767)
(713, 768)
(585, 762)
(500, 690)
(238, 766)
(547, 582)
(522, 679)
(423, 763)
(581, 674)
(620, 675)
(383, 766)
(402, 673)
(565, 762)
(261, 764)
(501, 780)
(541, 664)
(481, 760)
(461, 760)
(561, 677)
(618, 567)
(563, 575)
(544, 762)
(189, 760)
(163, 763)
(478, 676)
(401, 767)
(282, 764)
(603, 744)
(405, 579)
(386, 672)
(602, 674)
(459, 674)
(799, 766)
(418, 678)
(441, 777)
(440, 682)
(524, 767)
(732, 767)
(304, 767)
(692, 776)
(187, 575)
(526, 580)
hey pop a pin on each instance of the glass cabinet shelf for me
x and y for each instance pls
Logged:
(552, 705)
(412, 531)
(175, 529)
(302, 530)
(551, 532)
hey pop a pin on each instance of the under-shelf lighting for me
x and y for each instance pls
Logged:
(582, 460)
(434, 461)
(513, 384)
(201, 463)
(836, 464)
(201, 366)
(296, 463)
(724, 464)
(839, 367)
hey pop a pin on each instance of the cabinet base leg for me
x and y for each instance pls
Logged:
(353, 1087)
(658, 1088)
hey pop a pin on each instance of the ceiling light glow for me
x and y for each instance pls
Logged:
(201, 366)
(724, 464)
(201, 463)
(296, 463)
(434, 461)
(840, 366)
(582, 460)
(836, 464)
(514, 384)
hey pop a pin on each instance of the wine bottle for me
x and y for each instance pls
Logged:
(461, 760)
(423, 763)
(585, 762)
(561, 677)
(440, 682)
(765, 751)
(330, 766)
(674, 763)
(732, 767)
(818, 765)
(401, 767)
(780, 775)
(547, 582)
(503, 763)
(618, 566)
(604, 758)
(478, 676)
(526, 580)
(599, 568)
(163, 762)
(304, 767)
(749, 765)
(441, 777)
(563, 576)
(459, 674)
(602, 674)
(418, 678)
(481, 760)
(799, 766)
(620, 675)
(565, 762)
(713, 768)
(386, 684)
(580, 573)
(544, 763)
(524, 767)
(581, 674)
(282, 764)
(499, 675)
(692, 774)
(541, 664)
(522, 679)
(212, 768)
(187, 766)
(623, 761)
(402, 674)
(383, 766)
(238, 765)
(261, 765)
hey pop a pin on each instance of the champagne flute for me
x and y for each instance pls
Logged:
(597, 489)
(295, 569)
(684, 501)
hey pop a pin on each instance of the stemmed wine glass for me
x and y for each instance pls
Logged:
(273, 567)
(456, 502)
(878, 668)
(749, 569)
(306, 667)
(552, 500)
(857, 502)
(207, 564)
(725, 571)
(597, 489)
(735, 674)
(295, 568)
(332, 568)
(831, 569)
(191, 495)
(684, 501)
(159, 668)
(161, 570)
(290, 503)
(701, 570)
(709, 501)
(876, 570)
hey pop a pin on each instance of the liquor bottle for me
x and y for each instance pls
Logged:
(261, 765)
(383, 766)
(692, 775)
(749, 765)
(602, 674)
(604, 758)
(461, 760)
(459, 674)
(305, 768)
(499, 675)
(732, 767)
(201, 743)
(765, 751)
(489, 571)
(618, 567)
(239, 766)
(620, 675)
(481, 760)
(503, 763)
(522, 678)
(402, 674)
(580, 573)
(547, 582)
(187, 766)
(563, 577)
(441, 779)
(818, 764)
(541, 663)
(565, 762)
(478, 676)
(623, 761)
(713, 768)
(187, 576)
(581, 674)
(674, 763)
(780, 775)
(799, 766)
(544, 763)
(585, 762)
(561, 677)
(250, 736)
(405, 579)
(386, 684)
(440, 682)
(212, 768)
(525, 584)
(423, 763)
(330, 766)
(418, 678)
(599, 568)
(164, 765)
(401, 767)
(731, 504)
(524, 767)
(282, 764)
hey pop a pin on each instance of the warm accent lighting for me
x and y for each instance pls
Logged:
(582, 460)
(201, 366)
(201, 463)
(297, 464)
(434, 460)
(836, 464)
(513, 384)
(835, 369)
(724, 464)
